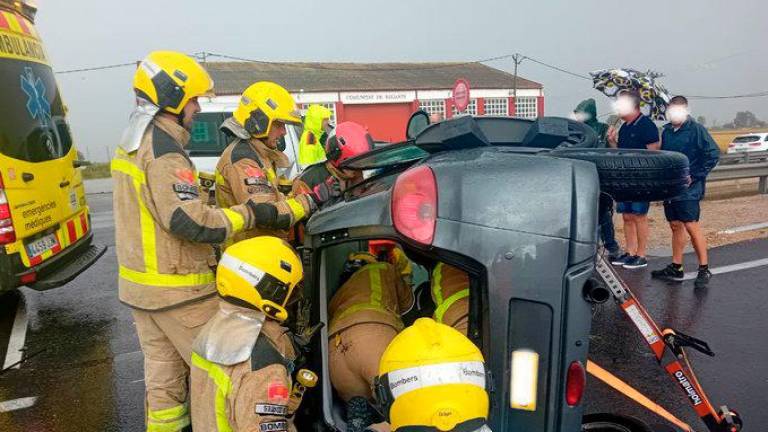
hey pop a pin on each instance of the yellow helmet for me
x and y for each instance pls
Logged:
(260, 273)
(263, 103)
(170, 79)
(433, 377)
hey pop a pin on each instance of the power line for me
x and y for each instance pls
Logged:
(96, 68)
(517, 56)
(559, 69)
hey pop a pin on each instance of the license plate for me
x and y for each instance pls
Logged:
(41, 245)
(73, 200)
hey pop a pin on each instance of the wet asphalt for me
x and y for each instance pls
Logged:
(86, 370)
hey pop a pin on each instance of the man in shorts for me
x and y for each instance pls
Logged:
(640, 133)
(684, 135)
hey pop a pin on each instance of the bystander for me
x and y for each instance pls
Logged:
(637, 132)
(684, 135)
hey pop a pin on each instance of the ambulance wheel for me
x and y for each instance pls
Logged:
(604, 422)
(635, 175)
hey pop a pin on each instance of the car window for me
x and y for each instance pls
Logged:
(746, 138)
(391, 155)
(32, 126)
(206, 138)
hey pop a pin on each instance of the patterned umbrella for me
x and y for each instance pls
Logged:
(654, 96)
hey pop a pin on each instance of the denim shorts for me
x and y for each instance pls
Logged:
(633, 207)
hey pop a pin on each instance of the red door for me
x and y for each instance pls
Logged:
(385, 122)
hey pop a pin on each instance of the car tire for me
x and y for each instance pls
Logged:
(635, 175)
(605, 422)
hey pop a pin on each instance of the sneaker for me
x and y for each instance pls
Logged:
(672, 272)
(702, 279)
(635, 262)
(620, 259)
(615, 255)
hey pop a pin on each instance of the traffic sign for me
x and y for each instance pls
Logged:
(461, 94)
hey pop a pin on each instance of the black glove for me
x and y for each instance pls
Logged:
(266, 216)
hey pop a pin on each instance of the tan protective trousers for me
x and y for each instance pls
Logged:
(354, 355)
(166, 339)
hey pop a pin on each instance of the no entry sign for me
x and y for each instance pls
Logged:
(461, 94)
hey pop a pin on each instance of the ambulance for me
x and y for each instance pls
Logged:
(45, 231)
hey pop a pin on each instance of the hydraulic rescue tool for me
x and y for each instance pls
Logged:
(668, 348)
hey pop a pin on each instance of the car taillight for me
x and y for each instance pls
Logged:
(28, 278)
(414, 204)
(574, 383)
(731, 145)
(7, 233)
(755, 144)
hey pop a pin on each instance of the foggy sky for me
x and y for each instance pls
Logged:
(704, 47)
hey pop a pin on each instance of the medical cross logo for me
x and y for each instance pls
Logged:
(37, 104)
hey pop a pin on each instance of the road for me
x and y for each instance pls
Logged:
(86, 370)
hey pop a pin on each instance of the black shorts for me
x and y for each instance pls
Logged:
(682, 211)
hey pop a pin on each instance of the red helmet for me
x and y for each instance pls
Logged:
(347, 140)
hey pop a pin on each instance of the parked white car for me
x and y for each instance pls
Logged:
(208, 142)
(753, 142)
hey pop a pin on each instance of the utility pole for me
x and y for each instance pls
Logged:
(517, 58)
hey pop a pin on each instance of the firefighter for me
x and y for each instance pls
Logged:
(247, 169)
(243, 358)
(346, 141)
(450, 293)
(312, 141)
(164, 230)
(364, 317)
(432, 378)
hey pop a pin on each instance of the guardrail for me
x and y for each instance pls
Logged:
(736, 171)
(743, 157)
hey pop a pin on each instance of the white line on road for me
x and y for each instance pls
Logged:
(18, 336)
(17, 404)
(744, 228)
(731, 268)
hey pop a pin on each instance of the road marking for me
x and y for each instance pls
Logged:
(102, 220)
(731, 268)
(18, 336)
(17, 404)
(744, 228)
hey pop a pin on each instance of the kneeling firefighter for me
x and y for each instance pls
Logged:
(450, 293)
(247, 169)
(364, 317)
(243, 358)
(164, 232)
(346, 141)
(432, 379)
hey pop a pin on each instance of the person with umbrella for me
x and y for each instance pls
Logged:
(637, 132)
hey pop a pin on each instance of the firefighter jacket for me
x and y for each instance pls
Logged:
(164, 231)
(450, 292)
(248, 396)
(247, 170)
(374, 294)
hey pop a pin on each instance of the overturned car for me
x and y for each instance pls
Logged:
(513, 203)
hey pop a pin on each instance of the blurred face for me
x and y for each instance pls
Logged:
(326, 125)
(677, 114)
(580, 116)
(188, 113)
(276, 132)
(624, 106)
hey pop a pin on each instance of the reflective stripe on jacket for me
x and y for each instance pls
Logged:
(450, 292)
(247, 171)
(249, 396)
(163, 230)
(374, 294)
